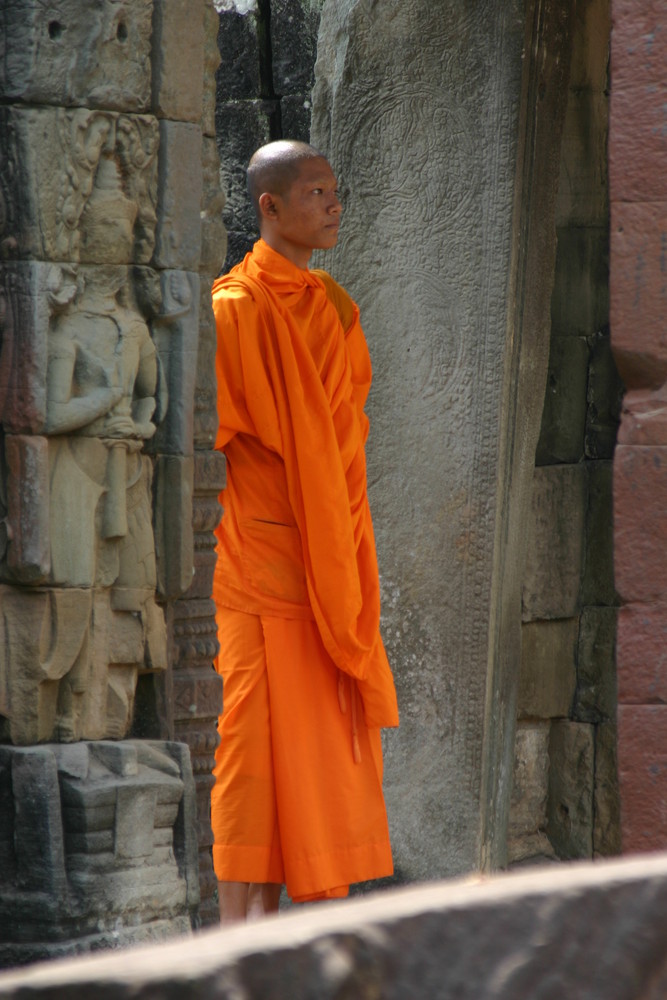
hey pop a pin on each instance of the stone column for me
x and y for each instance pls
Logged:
(638, 183)
(443, 125)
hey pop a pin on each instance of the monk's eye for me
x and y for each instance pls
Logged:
(317, 190)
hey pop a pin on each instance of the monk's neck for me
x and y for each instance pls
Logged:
(299, 256)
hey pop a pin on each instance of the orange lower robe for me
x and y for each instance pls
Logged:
(307, 685)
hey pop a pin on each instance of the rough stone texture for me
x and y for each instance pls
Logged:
(580, 303)
(526, 837)
(177, 48)
(555, 546)
(178, 233)
(98, 843)
(450, 484)
(604, 395)
(564, 415)
(294, 25)
(594, 931)
(606, 801)
(642, 774)
(640, 485)
(94, 53)
(597, 585)
(548, 676)
(571, 782)
(595, 700)
(642, 654)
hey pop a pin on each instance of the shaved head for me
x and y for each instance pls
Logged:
(274, 167)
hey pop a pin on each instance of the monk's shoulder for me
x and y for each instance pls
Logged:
(342, 300)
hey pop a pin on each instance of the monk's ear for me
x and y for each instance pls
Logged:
(267, 206)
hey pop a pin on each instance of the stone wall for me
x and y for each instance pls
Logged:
(565, 800)
(110, 235)
(593, 931)
(638, 182)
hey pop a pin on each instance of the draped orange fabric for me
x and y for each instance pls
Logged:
(296, 540)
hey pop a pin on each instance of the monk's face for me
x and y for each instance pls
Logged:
(307, 216)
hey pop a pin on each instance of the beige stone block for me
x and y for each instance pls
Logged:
(548, 674)
(528, 804)
(596, 673)
(178, 238)
(607, 824)
(211, 63)
(177, 58)
(174, 477)
(214, 236)
(555, 543)
(83, 183)
(92, 52)
(583, 191)
(571, 785)
(27, 521)
(25, 315)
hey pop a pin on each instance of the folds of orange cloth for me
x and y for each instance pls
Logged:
(294, 801)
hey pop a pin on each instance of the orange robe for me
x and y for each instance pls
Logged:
(296, 584)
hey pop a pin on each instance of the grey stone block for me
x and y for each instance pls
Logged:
(548, 676)
(211, 63)
(78, 52)
(595, 699)
(238, 75)
(177, 59)
(295, 112)
(214, 237)
(178, 234)
(589, 930)
(241, 127)
(528, 806)
(174, 548)
(604, 398)
(564, 414)
(598, 579)
(294, 25)
(555, 547)
(606, 802)
(571, 783)
(580, 299)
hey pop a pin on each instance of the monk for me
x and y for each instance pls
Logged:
(306, 683)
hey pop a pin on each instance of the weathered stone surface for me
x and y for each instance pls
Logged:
(555, 547)
(548, 675)
(98, 204)
(174, 486)
(82, 52)
(295, 112)
(580, 302)
(603, 397)
(595, 699)
(432, 274)
(24, 322)
(96, 855)
(589, 69)
(640, 488)
(564, 414)
(526, 837)
(239, 41)
(606, 800)
(213, 235)
(597, 585)
(642, 775)
(641, 645)
(570, 800)
(205, 401)
(211, 63)
(583, 188)
(26, 527)
(178, 234)
(294, 25)
(241, 128)
(524, 935)
(177, 51)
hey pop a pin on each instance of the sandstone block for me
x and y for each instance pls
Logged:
(528, 806)
(595, 699)
(571, 784)
(174, 548)
(641, 644)
(598, 579)
(79, 53)
(638, 291)
(524, 935)
(211, 64)
(242, 126)
(606, 802)
(583, 185)
(27, 496)
(642, 775)
(214, 237)
(177, 51)
(294, 25)
(580, 300)
(240, 37)
(547, 677)
(24, 324)
(178, 233)
(640, 531)
(590, 56)
(85, 183)
(603, 398)
(206, 393)
(564, 414)
(555, 545)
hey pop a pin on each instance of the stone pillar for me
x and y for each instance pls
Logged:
(638, 184)
(447, 156)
